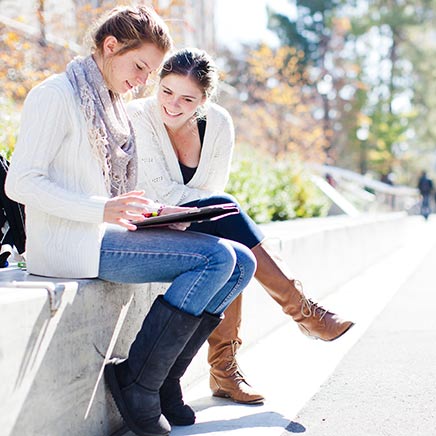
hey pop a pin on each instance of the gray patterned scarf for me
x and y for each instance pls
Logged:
(109, 129)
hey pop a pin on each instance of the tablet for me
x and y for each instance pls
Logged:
(192, 214)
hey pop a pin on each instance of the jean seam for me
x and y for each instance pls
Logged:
(230, 295)
(160, 253)
(194, 284)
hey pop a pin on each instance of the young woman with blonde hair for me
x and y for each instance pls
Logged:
(75, 170)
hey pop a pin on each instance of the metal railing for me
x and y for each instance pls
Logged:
(354, 193)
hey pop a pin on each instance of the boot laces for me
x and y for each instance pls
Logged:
(233, 366)
(308, 307)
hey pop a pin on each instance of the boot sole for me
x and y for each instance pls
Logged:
(221, 394)
(179, 422)
(343, 333)
(306, 333)
(111, 379)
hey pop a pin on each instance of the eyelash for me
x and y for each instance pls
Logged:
(139, 67)
(165, 91)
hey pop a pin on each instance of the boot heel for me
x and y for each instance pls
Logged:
(306, 332)
(114, 388)
(220, 394)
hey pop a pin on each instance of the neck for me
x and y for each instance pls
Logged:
(189, 125)
(98, 58)
(186, 142)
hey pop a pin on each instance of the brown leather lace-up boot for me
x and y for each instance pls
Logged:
(312, 319)
(226, 379)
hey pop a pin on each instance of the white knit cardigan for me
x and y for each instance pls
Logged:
(159, 172)
(54, 173)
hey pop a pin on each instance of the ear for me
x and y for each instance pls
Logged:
(203, 100)
(110, 45)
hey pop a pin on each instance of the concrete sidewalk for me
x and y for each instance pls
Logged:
(386, 384)
(378, 380)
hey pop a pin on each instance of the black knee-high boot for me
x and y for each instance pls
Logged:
(171, 398)
(135, 382)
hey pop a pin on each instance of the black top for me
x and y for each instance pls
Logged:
(13, 213)
(188, 172)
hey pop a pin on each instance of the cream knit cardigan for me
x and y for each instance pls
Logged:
(54, 173)
(159, 172)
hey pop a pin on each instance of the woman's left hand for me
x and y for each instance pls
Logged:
(168, 210)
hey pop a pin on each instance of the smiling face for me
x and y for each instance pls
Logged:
(132, 68)
(179, 98)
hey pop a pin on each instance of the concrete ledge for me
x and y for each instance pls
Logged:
(327, 252)
(51, 360)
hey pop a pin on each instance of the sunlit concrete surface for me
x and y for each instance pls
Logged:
(377, 380)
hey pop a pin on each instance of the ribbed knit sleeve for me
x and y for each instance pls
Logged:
(46, 124)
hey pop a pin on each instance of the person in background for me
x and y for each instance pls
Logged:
(185, 145)
(425, 187)
(75, 170)
(388, 178)
(330, 180)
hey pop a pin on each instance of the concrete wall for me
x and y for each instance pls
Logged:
(51, 361)
(50, 365)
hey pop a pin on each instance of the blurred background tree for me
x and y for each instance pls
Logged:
(276, 112)
(349, 83)
(369, 61)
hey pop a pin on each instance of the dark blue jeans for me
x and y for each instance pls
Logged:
(425, 205)
(240, 228)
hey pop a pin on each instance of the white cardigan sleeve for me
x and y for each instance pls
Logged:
(158, 169)
(45, 125)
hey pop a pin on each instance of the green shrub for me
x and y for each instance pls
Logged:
(270, 190)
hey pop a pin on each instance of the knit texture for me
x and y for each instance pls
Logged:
(158, 168)
(58, 178)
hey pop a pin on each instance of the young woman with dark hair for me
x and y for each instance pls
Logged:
(185, 146)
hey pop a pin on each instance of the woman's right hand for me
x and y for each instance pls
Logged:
(125, 208)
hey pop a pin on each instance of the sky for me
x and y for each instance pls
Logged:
(239, 21)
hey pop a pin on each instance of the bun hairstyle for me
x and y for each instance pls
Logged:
(195, 64)
(132, 26)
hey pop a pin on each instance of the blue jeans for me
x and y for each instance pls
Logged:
(240, 227)
(206, 273)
